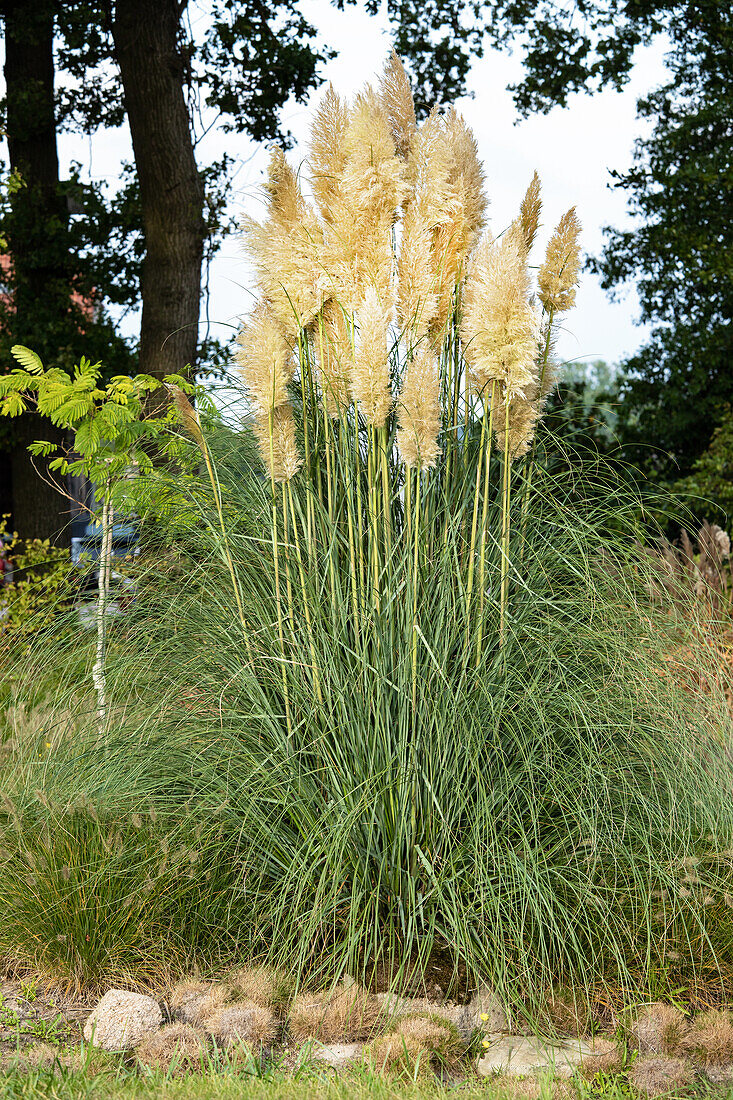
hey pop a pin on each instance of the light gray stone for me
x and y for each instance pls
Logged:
(485, 1002)
(338, 1054)
(465, 1018)
(122, 1019)
(521, 1056)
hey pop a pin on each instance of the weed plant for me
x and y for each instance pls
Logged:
(392, 686)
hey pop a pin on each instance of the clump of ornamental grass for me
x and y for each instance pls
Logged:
(606, 1059)
(266, 986)
(417, 1046)
(656, 1028)
(400, 690)
(346, 1013)
(244, 1021)
(192, 1001)
(660, 1075)
(176, 1048)
(709, 1038)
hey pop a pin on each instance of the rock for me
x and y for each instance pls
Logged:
(520, 1056)
(467, 1018)
(122, 1019)
(720, 1075)
(338, 1055)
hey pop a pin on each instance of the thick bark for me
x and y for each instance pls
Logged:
(152, 66)
(36, 240)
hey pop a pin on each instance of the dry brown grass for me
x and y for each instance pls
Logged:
(176, 1046)
(565, 1014)
(263, 985)
(417, 1045)
(191, 1001)
(659, 1074)
(243, 1021)
(656, 1028)
(709, 1038)
(721, 1075)
(604, 1059)
(347, 1014)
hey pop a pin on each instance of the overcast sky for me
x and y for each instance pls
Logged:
(572, 149)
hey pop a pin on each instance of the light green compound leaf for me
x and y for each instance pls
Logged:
(27, 358)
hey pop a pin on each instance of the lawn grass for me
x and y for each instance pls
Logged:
(126, 1085)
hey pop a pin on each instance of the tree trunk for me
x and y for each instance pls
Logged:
(37, 231)
(152, 67)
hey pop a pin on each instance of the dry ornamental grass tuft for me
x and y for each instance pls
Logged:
(243, 1021)
(656, 1075)
(709, 1038)
(176, 1047)
(192, 1000)
(418, 1044)
(656, 1029)
(347, 1014)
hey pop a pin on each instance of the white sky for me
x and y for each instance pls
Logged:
(573, 150)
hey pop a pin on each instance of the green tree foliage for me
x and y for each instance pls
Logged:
(681, 252)
(712, 475)
(680, 184)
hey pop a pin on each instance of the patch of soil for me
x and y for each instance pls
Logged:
(29, 1016)
(441, 979)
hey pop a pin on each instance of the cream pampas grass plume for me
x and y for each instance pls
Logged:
(363, 206)
(398, 104)
(328, 152)
(467, 174)
(417, 292)
(442, 219)
(265, 360)
(526, 225)
(370, 379)
(499, 327)
(419, 411)
(432, 201)
(335, 359)
(276, 438)
(558, 275)
(286, 250)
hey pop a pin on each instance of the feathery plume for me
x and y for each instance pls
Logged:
(370, 381)
(286, 250)
(467, 173)
(398, 104)
(276, 438)
(526, 412)
(432, 201)
(371, 188)
(430, 168)
(417, 300)
(187, 414)
(328, 151)
(419, 411)
(528, 222)
(449, 203)
(284, 200)
(265, 360)
(335, 359)
(499, 328)
(558, 275)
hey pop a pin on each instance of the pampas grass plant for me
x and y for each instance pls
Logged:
(399, 689)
